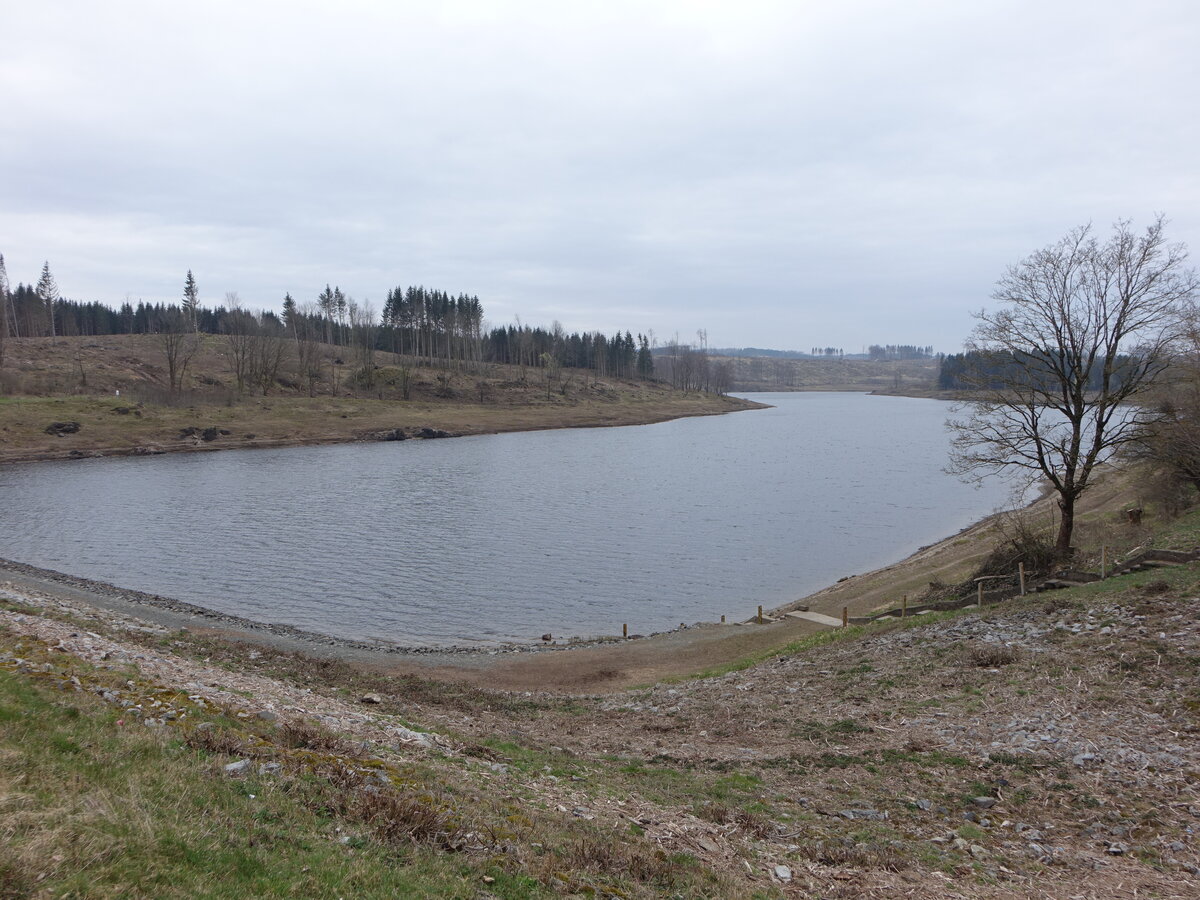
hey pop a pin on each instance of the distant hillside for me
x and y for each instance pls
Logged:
(757, 373)
(759, 351)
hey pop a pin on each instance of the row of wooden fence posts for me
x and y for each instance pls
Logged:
(904, 599)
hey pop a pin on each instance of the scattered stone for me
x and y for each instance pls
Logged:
(1082, 759)
(1116, 849)
(783, 873)
(370, 698)
(868, 814)
(266, 715)
(241, 767)
(984, 802)
(408, 736)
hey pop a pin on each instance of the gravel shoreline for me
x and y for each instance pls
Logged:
(179, 614)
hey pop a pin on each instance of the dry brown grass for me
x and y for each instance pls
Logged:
(989, 656)
(147, 416)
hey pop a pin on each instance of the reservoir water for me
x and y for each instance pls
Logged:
(505, 537)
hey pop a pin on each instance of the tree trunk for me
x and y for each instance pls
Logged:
(1066, 526)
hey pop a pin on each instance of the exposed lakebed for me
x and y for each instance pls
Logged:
(505, 537)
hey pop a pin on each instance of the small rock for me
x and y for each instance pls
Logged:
(241, 767)
(408, 736)
(1116, 849)
(58, 429)
(984, 802)
(370, 698)
(1082, 759)
(269, 768)
(266, 715)
(869, 814)
(783, 873)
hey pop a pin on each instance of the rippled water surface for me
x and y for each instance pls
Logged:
(505, 537)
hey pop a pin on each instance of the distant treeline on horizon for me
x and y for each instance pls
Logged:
(873, 352)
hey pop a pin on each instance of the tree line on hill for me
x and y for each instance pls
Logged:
(426, 326)
(1016, 369)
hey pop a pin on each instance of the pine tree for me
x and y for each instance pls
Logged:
(289, 314)
(191, 301)
(47, 292)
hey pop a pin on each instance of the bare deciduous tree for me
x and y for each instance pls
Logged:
(1083, 331)
(179, 343)
(240, 328)
(308, 346)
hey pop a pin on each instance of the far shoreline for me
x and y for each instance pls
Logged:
(392, 422)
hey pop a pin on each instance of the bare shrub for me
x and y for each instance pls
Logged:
(403, 819)
(616, 859)
(1168, 491)
(216, 740)
(1020, 542)
(1155, 587)
(306, 736)
(878, 857)
(750, 823)
(989, 656)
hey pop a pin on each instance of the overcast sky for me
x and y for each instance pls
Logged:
(781, 174)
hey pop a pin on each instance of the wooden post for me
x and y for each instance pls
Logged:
(760, 614)
(1021, 577)
(722, 618)
(980, 594)
(625, 630)
(1103, 562)
(845, 616)
(904, 606)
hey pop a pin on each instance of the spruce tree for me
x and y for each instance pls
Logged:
(191, 301)
(47, 292)
(289, 313)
